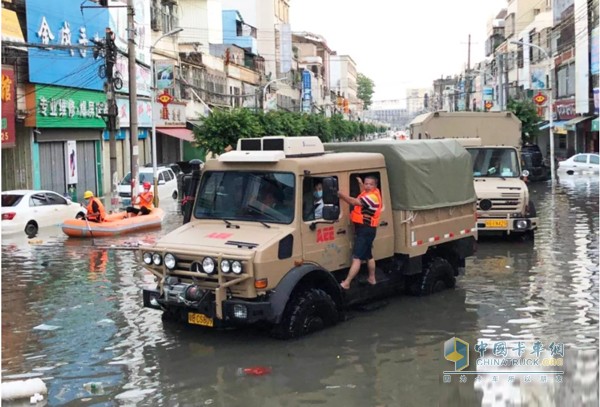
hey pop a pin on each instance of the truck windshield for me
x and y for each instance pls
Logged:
(494, 162)
(242, 195)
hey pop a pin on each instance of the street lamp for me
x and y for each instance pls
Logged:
(550, 103)
(154, 85)
(264, 88)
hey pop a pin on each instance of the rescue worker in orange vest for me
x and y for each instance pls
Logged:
(143, 201)
(95, 209)
(365, 217)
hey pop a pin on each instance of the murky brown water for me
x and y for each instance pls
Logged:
(72, 315)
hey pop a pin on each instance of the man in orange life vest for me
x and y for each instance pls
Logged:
(144, 201)
(95, 209)
(365, 217)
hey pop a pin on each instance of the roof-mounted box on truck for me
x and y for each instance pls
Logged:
(273, 149)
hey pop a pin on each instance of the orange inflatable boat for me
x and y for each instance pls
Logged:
(115, 224)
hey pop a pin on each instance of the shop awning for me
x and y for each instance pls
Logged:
(544, 125)
(559, 126)
(179, 132)
(192, 124)
(11, 28)
(573, 122)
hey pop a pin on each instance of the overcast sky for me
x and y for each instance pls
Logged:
(400, 44)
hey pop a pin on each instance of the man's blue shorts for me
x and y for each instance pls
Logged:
(363, 242)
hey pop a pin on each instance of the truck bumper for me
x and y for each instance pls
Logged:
(235, 311)
(507, 225)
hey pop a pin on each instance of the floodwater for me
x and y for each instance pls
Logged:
(72, 316)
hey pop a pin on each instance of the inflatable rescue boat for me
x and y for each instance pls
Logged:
(115, 224)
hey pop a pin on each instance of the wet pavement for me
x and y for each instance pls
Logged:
(72, 316)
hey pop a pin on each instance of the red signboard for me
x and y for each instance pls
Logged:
(540, 99)
(565, 109)
(8, 107)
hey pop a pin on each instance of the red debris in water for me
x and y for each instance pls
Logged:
(257, 370)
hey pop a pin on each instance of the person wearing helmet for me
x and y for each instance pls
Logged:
(95, 209)
(143, 202)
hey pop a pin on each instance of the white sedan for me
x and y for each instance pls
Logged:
(586, 163)
(26, 211)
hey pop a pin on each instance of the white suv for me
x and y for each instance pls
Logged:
(167, 184)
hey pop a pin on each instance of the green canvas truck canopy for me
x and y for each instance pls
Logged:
(423, 174)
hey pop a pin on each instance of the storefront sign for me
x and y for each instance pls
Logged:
(63, 22)
(144, 112)
(175, 115)
(71, 162)
(565, 109)
(8, 107)
(69, 108)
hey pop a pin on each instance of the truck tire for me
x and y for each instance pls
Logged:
(532, 212)
(437, 275)
(307, 311)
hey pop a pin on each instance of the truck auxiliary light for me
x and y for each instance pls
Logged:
(262, 283)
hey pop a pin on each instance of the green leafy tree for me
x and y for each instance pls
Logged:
(223, 128)
(317, 125)
(365, 91)
(526, 111)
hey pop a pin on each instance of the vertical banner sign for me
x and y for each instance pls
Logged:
(594, 65)
(71, 162)
(306, 91)
(285, 48)
(8, 108)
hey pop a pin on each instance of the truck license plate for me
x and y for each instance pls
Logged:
(496, 223)
(199, 319)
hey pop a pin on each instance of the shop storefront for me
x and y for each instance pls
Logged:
(67, 128)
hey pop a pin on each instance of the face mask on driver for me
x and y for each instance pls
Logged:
(318, 194)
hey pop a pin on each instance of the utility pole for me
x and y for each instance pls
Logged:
(110, 57)
(468, 76)
(133, 116)
(500, 82)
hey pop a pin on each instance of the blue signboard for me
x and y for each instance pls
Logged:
(63, 22)
(306, 91)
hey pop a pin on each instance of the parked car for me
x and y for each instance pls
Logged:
(29, 210)
(174, 166)
(533, 161)
(167, 184)
(584, 163)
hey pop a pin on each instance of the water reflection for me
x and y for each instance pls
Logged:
(71, 314)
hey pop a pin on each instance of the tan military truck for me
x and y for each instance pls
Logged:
(255, 253)
(494, 140)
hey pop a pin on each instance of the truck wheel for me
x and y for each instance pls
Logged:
(438, 275)
(532, 212)
(307, 311)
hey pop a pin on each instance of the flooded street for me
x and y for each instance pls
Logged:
(72, 315)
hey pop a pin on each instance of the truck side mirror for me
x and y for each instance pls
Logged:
(330, 190)
(331, 212)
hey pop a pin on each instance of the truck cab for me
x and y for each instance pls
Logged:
(493, 140)
(255, 251)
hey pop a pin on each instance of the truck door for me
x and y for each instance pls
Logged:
(383, 246)
(324, 243)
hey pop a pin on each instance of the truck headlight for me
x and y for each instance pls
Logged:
(170, 261)
(208, 264)
(521, 224)
(225, 266)
(236, 267)
(147, 257)
(157, 259)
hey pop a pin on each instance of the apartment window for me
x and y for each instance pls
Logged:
(565, 77)
(169, 14)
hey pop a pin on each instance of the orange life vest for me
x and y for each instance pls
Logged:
(368, 214)
(146, 200)
(96, 216)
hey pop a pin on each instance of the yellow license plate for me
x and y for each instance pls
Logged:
(199, 319)
(496, 223)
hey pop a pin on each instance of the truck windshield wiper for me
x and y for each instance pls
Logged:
(231, 225)
(265, 224)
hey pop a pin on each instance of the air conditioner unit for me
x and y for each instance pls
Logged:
(22, 114)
